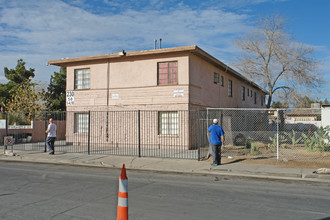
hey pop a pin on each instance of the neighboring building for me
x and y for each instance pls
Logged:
(301, 120)
(304, 115)
(325, 115)
(164, 80)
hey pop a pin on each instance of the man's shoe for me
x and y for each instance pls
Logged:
(51, 153)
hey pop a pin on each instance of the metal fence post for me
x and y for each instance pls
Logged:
(6, 113)
(45, 132)
(198, 138)
(89, 132)
(139, 133)
(6, 132)
(207, 118)
(277, 135)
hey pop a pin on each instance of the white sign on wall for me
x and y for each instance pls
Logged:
(2, 123)
(70, 98)
(178, 92)
(115, 96)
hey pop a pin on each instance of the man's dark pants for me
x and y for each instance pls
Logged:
(216, 153)
(50, 143)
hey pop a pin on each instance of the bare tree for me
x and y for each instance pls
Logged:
(271, 58)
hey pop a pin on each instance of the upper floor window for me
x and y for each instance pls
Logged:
(262, 100)
(255, 98)
(81, 79)
(230, 89)
(216, 78)
(168, 73)
(248, 92)
(243, 93)
(222, 81)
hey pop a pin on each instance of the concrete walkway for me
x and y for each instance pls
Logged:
(232, 168)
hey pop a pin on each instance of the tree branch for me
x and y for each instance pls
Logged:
(279, 75)
(282, 87)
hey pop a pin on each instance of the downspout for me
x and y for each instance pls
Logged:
(221, 86)
(220, 93)
(108, 83)
(108, 95)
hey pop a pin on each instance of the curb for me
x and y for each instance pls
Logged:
(321, 178)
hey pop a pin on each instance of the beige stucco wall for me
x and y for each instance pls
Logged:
(98, 75)
(205, 93)
(88, 99)
(132, 85)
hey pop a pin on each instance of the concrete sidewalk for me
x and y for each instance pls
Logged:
(232, 168)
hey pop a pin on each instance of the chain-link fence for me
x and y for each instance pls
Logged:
(292, 134)
(286, 134)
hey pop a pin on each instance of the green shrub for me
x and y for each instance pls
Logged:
(292, 136)
(273, 140)
(319, 140)
(19, 119)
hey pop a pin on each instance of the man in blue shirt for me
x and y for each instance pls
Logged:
(216, 135)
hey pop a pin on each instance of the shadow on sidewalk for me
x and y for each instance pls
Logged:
(262, 158)
(234, 161)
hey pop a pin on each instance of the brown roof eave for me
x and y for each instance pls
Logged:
(65, 62)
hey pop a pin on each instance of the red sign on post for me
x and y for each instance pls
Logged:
(8, 140)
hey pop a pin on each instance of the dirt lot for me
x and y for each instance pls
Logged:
(297, 157)
(275, 162)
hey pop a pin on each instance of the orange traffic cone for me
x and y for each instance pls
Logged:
(122, 208)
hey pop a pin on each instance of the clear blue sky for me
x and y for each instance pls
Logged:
(43, 30)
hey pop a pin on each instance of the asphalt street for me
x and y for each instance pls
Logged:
(41, 191)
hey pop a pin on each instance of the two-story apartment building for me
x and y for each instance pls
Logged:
(164, 80)
(181, 78)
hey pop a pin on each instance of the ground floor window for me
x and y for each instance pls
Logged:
(80, 122)
(168, 123)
